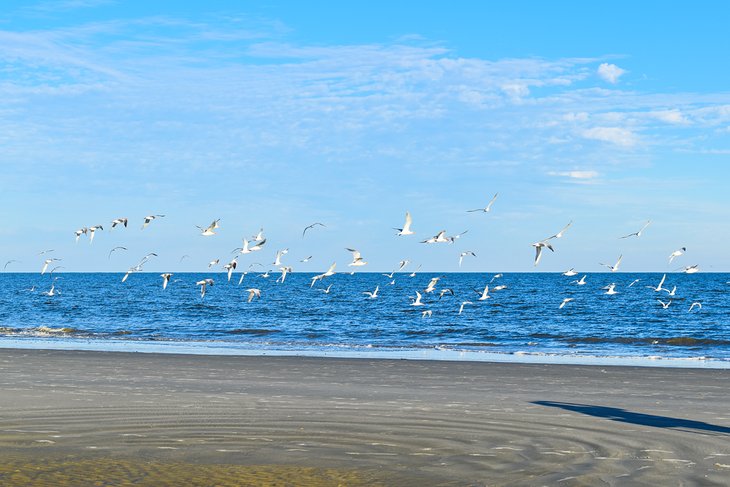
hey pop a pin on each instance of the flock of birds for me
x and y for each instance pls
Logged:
(257, 243)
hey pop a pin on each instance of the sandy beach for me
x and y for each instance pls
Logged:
(85, 418)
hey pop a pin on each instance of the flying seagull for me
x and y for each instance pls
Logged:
(328, 273)
(308, 227)
(165, 279)
(79, 232)
(406, 230)
(638, 234)
(464, 254)
(230, 267)
(464, 303)
(247, 250)
(92, 230)
(561, 232)
(120, 221)
(660, 285)
(538, 249)
(357, 260)
(692, 306)
(438, 238)
(570, 272)
(204, 285)
(431, 285)
(483, 295)
(487, 208)
(259, 237)
(45, 264)
(373, 294)
(581, 282)
(614, 267)
(565, 301)
(417, 301)
(253, 293)
(611, 289)
(9, 262)
(114, 250)
(148, 219)
(664, 305)
(209, 230)
(676, 254)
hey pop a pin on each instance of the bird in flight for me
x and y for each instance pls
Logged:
(438, 238)
(45, 264)
(464, 303)
(693, 305)
(10, 262)
(114, 250)
(120, 221)
(309, 227)
(638, 234)
(565, 301)
(372, 294)
(148, 219)
(417, 301)
(613, 268)
(538, 249)
(406, 230)
(253, 293)
(676, 254)
(165, 279)
(329, 272)
(209, 230)
(92, 231)
(464, 254)
(487, 208)
(357, 260)
(204, 285)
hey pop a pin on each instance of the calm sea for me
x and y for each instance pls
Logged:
(522, 320)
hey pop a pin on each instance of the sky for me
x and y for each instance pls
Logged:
(278, 114)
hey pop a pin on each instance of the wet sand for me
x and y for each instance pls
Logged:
(78, 418)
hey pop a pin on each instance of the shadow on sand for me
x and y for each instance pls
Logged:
(624, 416)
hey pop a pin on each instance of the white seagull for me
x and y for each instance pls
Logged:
(431, 285)
(247, 250)
(204, 286)
(92, 230)
(308, 227)
(487, 208)
(327, 290)
(638, 234)
(279, 255)
(611, 289)
(329, 272)
(464, 303)
(373, 294)
(79, 232)
(120, 221)
(538, 249)
(148, 219)
(570, 272)
(417, 301)
(660, 286)
(692, 269)
(561, 232)
(664, 305)
(692, 306)
(484, 294)
(114, 250)
(464, 254)
(438, 238)
(614, 267)
(253, 293)
(230, 267)
(581, 282)
(213, 262)
(565, 301)
(357, 260)
(45, 264)
(165, 279)
(259, 237)
(209, 230)
(676, 254)
(406, 230)
(426, 313)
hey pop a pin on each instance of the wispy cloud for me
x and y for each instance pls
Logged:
(615, 135)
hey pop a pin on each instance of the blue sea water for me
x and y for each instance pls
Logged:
(522, 320)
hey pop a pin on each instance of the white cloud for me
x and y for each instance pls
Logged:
(610, 72)
(582, 175)
(615, 135)
(670, 116)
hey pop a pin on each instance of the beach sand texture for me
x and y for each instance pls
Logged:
(102, 418)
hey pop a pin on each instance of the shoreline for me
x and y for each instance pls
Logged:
(211, 348)
(187, 419)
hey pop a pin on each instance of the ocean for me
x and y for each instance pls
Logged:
(522, 322)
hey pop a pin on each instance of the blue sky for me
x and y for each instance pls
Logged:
(282, 113)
